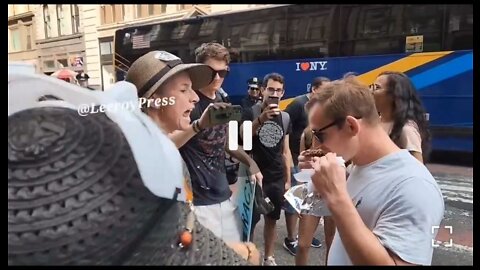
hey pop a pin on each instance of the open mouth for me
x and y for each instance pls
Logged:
(187, 113)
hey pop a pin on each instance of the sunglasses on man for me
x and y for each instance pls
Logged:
(254, 89)
(221, 73)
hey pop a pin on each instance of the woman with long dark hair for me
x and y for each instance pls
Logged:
(402, 113)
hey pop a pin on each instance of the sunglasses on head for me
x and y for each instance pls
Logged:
(319, 134)
(221, 73)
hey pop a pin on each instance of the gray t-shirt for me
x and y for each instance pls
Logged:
(399, 200)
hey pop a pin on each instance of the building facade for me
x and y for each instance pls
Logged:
(101, 22)
(21, 34)
(80, 37)
(60, 40)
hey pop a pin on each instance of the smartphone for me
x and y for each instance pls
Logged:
(223, 116)
(273, 100)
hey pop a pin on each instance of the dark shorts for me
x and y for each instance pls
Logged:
(274, 191)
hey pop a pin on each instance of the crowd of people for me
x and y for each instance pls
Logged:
(88, 190)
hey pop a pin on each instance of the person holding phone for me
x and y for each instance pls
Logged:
(117, 193)
(205, 152)
(270, 149)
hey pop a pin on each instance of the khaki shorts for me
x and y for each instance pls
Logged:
(222, 219)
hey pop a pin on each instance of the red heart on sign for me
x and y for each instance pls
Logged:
(305, 66)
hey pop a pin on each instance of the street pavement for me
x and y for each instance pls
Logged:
(457, 187)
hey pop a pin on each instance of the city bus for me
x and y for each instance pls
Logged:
(432, 44)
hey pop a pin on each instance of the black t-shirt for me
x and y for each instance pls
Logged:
(248, 102)
(204, 155)
(298, 117)
(267, 147)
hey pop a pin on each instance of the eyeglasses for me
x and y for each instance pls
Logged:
(254, 89)
(221, 73)
(274, 90)
(320, 135)
(374, 87)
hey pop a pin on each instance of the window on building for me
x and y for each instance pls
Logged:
(184, 6)
(75, 18)
(163, 8)
(106, 48)
(60, 20)
(140, 11)
(62, 61)
(48, 64)
(143, 11)
(106, 14)
(15, 40)
(46, 22)
(118, 13)
(28, 30)
(156, 9)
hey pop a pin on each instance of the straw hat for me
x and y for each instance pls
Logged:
(151, 70)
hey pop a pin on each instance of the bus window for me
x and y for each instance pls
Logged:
(279, 39)
(375, 22)
(370, 30)
(459, 28)
(179, 31)
(208, 28)
(255, 35)
(425, 20)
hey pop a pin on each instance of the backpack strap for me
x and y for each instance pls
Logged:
(285, 121)
(256, 110)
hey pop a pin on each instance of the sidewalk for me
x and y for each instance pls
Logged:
(450, 170)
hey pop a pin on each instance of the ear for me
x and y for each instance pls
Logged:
(353, 125)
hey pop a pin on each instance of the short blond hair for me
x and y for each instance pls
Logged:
(345, 97)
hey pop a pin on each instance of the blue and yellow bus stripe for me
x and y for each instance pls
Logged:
(402, 65)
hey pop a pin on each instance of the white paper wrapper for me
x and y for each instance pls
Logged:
(304, 176)
(303, 198)
(305, 202)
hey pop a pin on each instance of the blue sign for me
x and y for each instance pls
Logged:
(245, 199)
